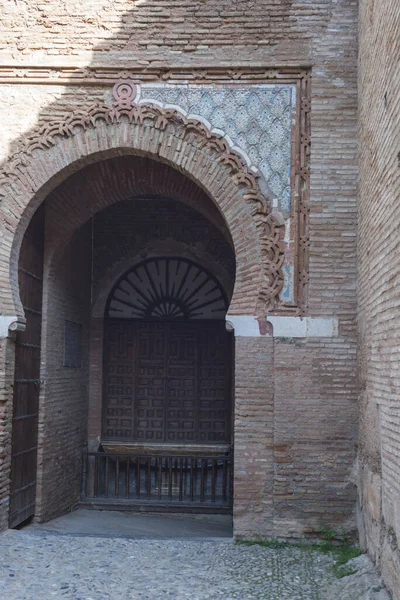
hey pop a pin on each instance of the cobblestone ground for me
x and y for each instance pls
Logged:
(40, 566)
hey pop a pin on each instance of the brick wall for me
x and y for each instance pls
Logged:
(314, 435)
(379, 281)
(313, 380)
(155, 27)
(253, 508)
(64, 398)
(295, 433)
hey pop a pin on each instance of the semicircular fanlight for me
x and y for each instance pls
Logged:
(167, 288)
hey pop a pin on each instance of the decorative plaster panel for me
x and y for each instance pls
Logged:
(259, 122)
(258, 119)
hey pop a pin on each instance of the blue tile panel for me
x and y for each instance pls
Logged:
(257, 118)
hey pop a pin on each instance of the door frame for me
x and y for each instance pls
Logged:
(23, 472)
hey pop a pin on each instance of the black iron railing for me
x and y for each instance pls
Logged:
(157, 479)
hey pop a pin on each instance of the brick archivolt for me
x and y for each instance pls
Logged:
(50, 154)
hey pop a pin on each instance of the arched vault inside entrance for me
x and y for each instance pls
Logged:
(177, 286)
(105, 226)
(166, 400)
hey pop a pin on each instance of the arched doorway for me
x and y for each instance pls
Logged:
(166, 431)
(206, 172)
(165, 339)
(165, 328)
(153, 268)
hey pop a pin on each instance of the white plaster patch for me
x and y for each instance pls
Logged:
(296, 327)
(243, 154)
(175, 107)
(338, 82)
(5, 323)
(244, 325)
(290, 327)
(317, 327)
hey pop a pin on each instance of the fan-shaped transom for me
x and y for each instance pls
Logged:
(168, 289)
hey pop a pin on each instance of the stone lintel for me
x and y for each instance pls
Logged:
(10, 323)
(283, 326)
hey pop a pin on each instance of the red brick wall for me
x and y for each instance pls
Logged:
(295, 434)
(64, 398)
(253, 508)
(314, 435)
(379, 281)
(156, 27)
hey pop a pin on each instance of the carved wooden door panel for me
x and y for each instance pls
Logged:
(118, 421)
(215, 349)
(167, 382)
(27, 376)
(150, 382)
(181, 417)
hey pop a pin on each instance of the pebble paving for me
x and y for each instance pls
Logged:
(42, 566)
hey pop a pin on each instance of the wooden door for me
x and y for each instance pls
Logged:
(181, 425)
(27, 376)
(215, 383)
(167, 382)
(150, 383)
(118, 380)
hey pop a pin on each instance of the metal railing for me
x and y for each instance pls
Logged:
(158, 479)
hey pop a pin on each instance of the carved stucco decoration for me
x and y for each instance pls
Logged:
(193, 129)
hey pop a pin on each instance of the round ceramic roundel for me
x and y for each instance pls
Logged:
(167, 288)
